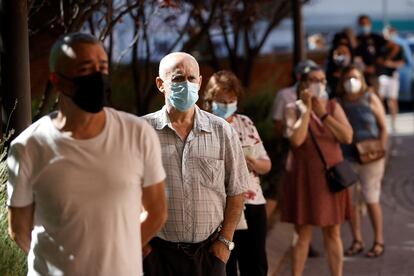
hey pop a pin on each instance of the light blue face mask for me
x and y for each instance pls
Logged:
(366, 29)
(224, 110)
(183, 95)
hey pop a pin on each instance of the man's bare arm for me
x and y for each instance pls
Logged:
(232, 213)
(155, 203)
(21, 225)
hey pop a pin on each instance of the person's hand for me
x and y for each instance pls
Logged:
(146, 250)
(220, 250)
(251, 163)
(249, 195)
(306, 97)
(318, 107)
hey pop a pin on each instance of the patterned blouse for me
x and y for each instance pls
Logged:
(252, 145)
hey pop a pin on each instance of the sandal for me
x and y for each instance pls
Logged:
(355, 248)
(377, 250)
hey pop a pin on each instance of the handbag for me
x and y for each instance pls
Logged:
(370, 150)
(339, 176)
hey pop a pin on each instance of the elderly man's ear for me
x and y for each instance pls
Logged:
(160, 84)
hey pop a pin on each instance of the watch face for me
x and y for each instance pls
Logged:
(231, 246)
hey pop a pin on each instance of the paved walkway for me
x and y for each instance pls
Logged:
(398, 207)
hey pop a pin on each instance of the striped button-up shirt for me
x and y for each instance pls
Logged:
(201, 172)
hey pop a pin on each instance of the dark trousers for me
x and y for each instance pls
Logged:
(181, 259)
(250, 249)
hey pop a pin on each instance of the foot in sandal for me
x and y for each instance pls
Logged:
(355, 248)
(377, 250)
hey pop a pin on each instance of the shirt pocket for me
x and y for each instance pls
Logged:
(212, 173)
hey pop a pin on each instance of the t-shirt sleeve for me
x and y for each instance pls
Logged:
(153, 168)
(19, 189)
(278, 107)
(236, 172)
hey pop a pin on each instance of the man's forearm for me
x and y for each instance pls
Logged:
(20, 225)
(155, 203)
(151, 226)
(22, 240)
(232, 213)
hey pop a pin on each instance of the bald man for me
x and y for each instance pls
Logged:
(206, 177)
(79, 176)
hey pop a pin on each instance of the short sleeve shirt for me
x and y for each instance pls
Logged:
(370, 47)
(201, 172)
(87, 194)
(252, 145)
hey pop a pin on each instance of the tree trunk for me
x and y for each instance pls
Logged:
(16, 79)
(299, 44)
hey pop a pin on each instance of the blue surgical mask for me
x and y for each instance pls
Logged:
(183, 95)
(366, 29)
(224, 110)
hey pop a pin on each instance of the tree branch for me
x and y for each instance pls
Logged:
(280, 13)
(183, 31)
(118, 18)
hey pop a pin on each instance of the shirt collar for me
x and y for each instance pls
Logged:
(201, 120)
(162, 119)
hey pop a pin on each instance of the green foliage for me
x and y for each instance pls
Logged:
(258, 106)
(12, 259)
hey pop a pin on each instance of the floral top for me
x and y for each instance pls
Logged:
(252, 145)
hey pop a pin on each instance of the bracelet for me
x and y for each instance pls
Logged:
(324, 116)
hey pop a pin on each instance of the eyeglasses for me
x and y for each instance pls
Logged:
(314, 80)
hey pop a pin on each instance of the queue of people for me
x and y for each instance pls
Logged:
(350, 126)
(80, 177)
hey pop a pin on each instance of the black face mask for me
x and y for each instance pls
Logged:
(92, 92)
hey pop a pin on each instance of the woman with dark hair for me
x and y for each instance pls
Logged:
(308, 200)
(366, 114)
(340, 56)
(221, 96)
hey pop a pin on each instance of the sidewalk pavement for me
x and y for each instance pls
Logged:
(398, 210)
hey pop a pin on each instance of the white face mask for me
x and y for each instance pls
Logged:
(318, 90)
(352, 86)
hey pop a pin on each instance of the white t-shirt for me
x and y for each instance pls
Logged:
(87, 194)
(252, 145)
(283, 97)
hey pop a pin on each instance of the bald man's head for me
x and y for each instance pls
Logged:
(177, 61)
(177, 68)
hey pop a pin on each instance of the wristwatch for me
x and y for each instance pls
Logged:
(229, 244)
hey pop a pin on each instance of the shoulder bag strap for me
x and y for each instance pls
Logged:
(318, 149)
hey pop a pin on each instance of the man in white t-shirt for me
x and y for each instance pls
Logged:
(79, 177)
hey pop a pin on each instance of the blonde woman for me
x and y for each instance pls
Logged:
(221, 97)
(366, 114)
